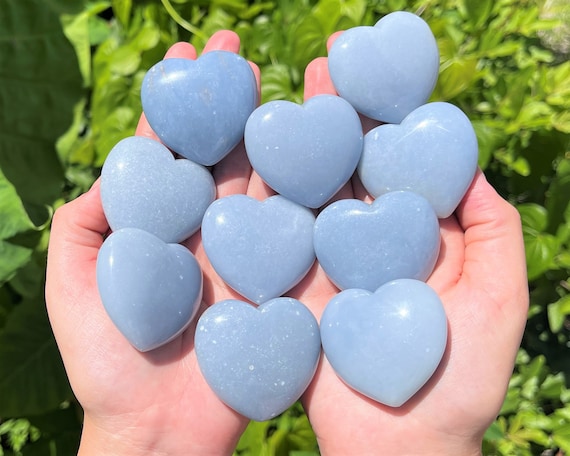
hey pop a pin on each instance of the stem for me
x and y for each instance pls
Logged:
(183, 22)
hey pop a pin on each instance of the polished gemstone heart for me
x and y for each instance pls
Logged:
(305, 152)
(362, 245)
(388, 70)
(433, 152)
(387, 344)
(258, 360)
(199, 108)
(150, 289)
(143, 186)
(259, 248)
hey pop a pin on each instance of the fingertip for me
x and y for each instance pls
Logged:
(332, 39)
(317, 79)
(483, 204)
(257, 74)
(181, 50)
(144, 129)
(223, 40)
(258, 189)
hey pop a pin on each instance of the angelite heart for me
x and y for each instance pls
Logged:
(199, 108)
(388, 70)
(151, 290)
(305, 152)
(433, 152)
(362, 245)
(385, 345)
(143, 186)
(259, 248)
(258, 360)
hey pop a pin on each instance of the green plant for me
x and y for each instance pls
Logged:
(69, 85)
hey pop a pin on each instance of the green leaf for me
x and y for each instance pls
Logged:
(78, 29)
(13, 216)
(39, 85)
(456, 76)
(13, 220)
(533, 217)
(275, 83)
(540, 250)
(477, 11)
(558, 196)
(122, 10)
(12, 258)
(32, 376)
(252, 440)
(561, 121)
(558, 312)
(488, 138)
(540, 247)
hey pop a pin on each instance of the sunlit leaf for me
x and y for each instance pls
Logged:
(558, 312)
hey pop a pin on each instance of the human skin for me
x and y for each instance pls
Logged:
(481, 278)
(158, 402)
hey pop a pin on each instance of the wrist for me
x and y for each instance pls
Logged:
(128, 441)
(415, 445)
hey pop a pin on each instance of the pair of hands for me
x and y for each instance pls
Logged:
(159, 403)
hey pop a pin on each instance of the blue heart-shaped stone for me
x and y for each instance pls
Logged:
(260, 248)
(385, 345)
(364, 246)
(388, 70)
(258, 360)
(305, 152)
(143, 186)
(433, 152)
(199, 108)
(150, 289)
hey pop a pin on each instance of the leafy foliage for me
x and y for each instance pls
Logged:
(69, 83)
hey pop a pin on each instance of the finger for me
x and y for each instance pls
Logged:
(359, 191)
(76, 235)
(144, 129)
(258, 189)
(317, 79)
(80, 222)
(332, 39)
(257, 74)
(494, 249)
(179, 50)
(344, 193)
(232, 173)
(223, 40)
(449, 265)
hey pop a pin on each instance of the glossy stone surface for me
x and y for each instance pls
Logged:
(388, 70)
(258, 360)
(433, 152)
(385, 345)
(305, 152)
(199, 108)
(260, 248)
(151, 290)
(362, 245)
(143, 186)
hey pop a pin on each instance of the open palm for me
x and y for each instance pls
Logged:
(481, 278)
(155, 402)
(159, 403)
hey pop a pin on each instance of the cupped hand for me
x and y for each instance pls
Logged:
(481, 278)
(137, 403)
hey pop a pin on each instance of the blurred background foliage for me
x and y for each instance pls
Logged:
(70, 75)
